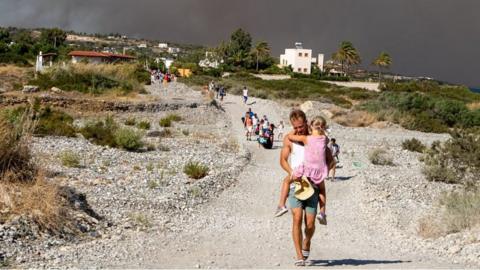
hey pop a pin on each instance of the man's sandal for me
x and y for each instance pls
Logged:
(306, 254)
(299, 263)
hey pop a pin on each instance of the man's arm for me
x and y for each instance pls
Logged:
(284, 154)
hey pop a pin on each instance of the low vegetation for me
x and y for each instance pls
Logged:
(24, 192)
(108, 133)
(94, 79)
(456, 160)
(168, 120)
(297, 88)
(128, 139)
(380, 156)
(413, 145)
(70, 159)
(195, 170)
(48, 122)
(426, 106)
(145, 125)
(130, 121)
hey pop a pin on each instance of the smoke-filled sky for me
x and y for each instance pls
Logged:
(436, 38)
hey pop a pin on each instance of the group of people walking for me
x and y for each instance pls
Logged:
(156, 77)
(261, 129)
(220, 91)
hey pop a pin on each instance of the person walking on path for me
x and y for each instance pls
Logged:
(245, 95)
(281, 129)
(295, 152)
(222, 93)
(335, 149)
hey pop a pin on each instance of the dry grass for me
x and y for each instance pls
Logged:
(12, 76)
(474, 105)
(15, 156)
(23, 189)
(458, 211)
(354, 118)
(40, 200)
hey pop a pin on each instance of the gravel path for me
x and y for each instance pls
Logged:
(373, 212)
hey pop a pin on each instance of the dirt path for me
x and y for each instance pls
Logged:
(238, 230)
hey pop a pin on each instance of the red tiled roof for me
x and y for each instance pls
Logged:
(99, 54)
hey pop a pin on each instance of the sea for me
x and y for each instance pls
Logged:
(476, 90)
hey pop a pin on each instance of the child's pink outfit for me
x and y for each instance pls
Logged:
(314, 163)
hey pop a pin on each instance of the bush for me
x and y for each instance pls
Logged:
(100, 132)
(165, 122)
(48, 121)
(54, 123)
(144, 125)
(95, 79)
(462, 210)
(413, 145)
(130, 122)
(70, 159)
(195, 170)
(456, 160)
(380, 156)
(128, 139)
(15, 158)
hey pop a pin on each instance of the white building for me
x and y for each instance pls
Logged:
(163, 45)
(173, 50)
(210, 61)
(142, 45)
(298, 58)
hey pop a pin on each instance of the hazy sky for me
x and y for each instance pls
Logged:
(437, 38)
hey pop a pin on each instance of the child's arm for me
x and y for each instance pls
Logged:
(298, 138)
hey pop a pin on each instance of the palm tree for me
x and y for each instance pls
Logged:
(347, 55)
(261, 49)
(382, 61)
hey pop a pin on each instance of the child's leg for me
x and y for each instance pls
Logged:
(323, 197)
(284, 191)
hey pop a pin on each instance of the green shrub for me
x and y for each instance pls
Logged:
(174, 117)
(166, 133)
(449, 111)
(413, 145)
(456, 160)
(380, 156)
(423, 122)
(128, 139)
(130, 122)
(100, 132)
(144, 125)
(195, 170)
(49, 122)
(165, 122)
(54, 123)
(70, 159)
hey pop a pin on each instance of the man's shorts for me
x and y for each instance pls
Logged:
(310, 205)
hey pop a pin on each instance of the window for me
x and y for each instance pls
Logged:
(299, 70)
(305, 70)
(300, 54)
(306, 54)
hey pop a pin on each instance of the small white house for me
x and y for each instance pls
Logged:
(209, 61)
(142, 45)
(163, 45)
(173, 50)
(298, 58)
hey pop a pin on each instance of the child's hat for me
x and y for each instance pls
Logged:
(303, 189)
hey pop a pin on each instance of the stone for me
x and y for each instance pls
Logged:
(56, 90)
(30, 89)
